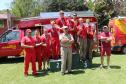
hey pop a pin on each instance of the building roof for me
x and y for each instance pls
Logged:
(4, 16)
(56, 14)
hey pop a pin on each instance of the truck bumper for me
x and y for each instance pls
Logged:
(116, 48)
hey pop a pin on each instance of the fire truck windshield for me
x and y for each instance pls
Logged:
(10, 35)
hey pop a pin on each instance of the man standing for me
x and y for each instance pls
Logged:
(46, 50)
(28, 44)
(66, 41)
(55, 43)
(61, 21)
(105, 38)
(38, 48)
(74, 32)
(90, 37)
(82, 34)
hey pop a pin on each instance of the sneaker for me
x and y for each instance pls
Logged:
(101, 66)
(70, 72)
(62, 74)
(85, 64)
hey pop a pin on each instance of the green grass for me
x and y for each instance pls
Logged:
(11, 72)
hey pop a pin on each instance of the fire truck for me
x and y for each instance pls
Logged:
(117, 26)
(10, 41)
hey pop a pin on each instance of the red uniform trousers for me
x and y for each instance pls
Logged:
(46, 53)
(30, 57)
(55, 48)
(39, 57)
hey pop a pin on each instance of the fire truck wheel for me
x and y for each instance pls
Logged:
(124, 50)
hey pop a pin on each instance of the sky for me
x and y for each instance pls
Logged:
(5, 4)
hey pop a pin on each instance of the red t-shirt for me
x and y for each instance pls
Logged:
(76, 22)
(105, 35)
(72, 27)
(83, 33)
(54, 33)
(46, 40)
(37, 41)
(61, 22)
(30, 42)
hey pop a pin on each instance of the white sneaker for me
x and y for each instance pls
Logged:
(101, 66)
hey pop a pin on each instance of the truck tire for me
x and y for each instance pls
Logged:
(124, 49)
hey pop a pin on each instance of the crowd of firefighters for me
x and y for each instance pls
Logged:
(65, 36)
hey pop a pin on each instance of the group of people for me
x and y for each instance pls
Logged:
(59, 41)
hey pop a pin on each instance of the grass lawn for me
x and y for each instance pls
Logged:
(11, 72)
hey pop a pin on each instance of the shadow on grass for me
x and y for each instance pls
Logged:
(76, 72)
(115, 67)
(11, 60)
(40, 74)
(93, 66)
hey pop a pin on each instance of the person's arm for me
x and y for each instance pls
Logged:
(43, 42)
(102, 38)
(38, 44)
(79, 30)
(25, 46)
(109, 38)
(63, 40)
(72, 39)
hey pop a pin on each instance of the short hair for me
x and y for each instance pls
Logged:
(61, 12)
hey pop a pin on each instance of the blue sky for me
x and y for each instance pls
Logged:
(5, 4)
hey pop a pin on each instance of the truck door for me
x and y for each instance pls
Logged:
(10, 43)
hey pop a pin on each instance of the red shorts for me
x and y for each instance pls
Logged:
(106, 50)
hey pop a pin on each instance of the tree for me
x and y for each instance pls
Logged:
(25, 8)
(66, 5)
(106, 9)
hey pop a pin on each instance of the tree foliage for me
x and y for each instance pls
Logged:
(25, 8)
(66, 5)
(106, 9)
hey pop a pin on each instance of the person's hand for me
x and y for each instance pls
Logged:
(106, 40)
(31, 47)
(70, 41)
(44, 45)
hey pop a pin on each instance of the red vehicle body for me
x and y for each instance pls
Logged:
(118, 30)
(10, 40)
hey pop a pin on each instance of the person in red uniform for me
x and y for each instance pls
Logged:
(75, 20)
(38, 48)
(72, 30)
(82, 34)
(105, 38)
(70, 24)
(46, 53)
(62, 20)
(90, 39)
(55, 42)
(28, 44)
